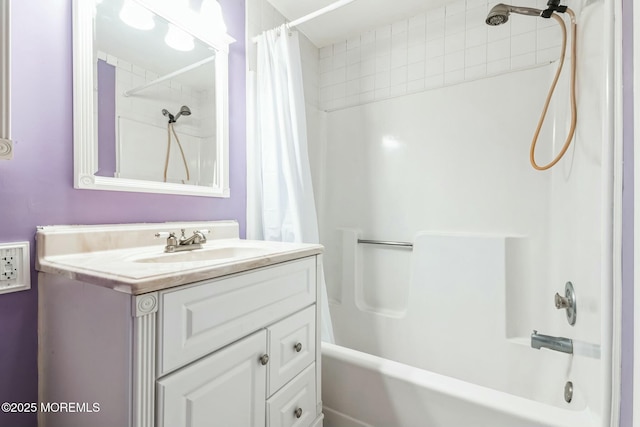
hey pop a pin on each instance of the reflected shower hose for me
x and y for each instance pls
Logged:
(171, 129)
(574, 108)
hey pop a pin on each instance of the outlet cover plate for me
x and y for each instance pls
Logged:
(15, 268)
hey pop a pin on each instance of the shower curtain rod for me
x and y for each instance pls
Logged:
(312, 15)
(161, 79)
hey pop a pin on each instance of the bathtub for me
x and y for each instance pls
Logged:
(362, 390)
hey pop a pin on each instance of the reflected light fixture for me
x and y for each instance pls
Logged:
(178, 39)
(211, 14)
(136, 16)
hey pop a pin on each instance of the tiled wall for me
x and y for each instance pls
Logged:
(441, 47)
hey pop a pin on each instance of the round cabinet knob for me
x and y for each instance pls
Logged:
(298, 347)
(298, 412)
(264, 359)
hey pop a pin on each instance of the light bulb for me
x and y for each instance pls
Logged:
(136, 16)
(178, 39)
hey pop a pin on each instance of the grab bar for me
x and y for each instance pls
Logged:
(386, 243)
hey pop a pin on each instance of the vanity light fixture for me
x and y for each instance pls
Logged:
(178, 39)
(136, 16)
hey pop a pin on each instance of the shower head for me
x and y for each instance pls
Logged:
(499, 14)
(166, 113)
(184, 111)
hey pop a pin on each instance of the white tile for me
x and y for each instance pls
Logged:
(125, 65)
(367, 37)
(339, 60)
(523, 61)
(139, 71)
(452, 77)
(353, 56)
(476, 17)
(456, 7)
(417, 21)
(416, 35)
(383, 32)
(546, 56)
(150, 75)
(353, 42)
(399, 27)
(383, 47)
(351, 100)
(454, 24)
(475, 56)
(434, 48)
(398, 90)
(523, 43)
(416, 53)
(454, 43)
(398, 76)
(398, 58)
(498, 67)
(499, 49)
(367, 97)
(326, 52)
(383, 63)
(549, 37)
(399, 41)
(453, 61)
(475, 72)
(522, 24)
(434, 81)
(367, 84)
(415, 71)
(325, 64)
(368, 67)
(382, 80)
(476, 3)
(339, 47)
(434, 66)
(546, 23)
(499, 32)
(383, 93)
(324, 80)
(415, 85)
(337, 76)
(353, 87)
(338, 91)
(476, 36)
(435, 30)
(367, 51)
(353, 72)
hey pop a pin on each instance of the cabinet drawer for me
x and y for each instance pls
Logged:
(292, 347)
(299, 395)
(203, 318)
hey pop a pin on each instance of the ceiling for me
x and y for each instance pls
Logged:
(340, 24)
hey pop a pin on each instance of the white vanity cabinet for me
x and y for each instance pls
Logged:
(240, 350)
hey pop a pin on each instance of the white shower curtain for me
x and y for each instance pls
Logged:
(281, 204)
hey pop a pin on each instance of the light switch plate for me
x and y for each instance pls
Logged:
(15, 268)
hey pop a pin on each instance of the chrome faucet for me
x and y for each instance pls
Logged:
(184, 243)
(564, 345)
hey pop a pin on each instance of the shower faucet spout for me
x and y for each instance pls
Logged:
(564, 345)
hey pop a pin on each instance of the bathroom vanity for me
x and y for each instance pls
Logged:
(225, 335)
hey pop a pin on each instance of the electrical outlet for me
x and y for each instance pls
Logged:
(14, 267)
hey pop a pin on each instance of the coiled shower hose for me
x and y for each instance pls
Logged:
(574, 108)
(166, 162)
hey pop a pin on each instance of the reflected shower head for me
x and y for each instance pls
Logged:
(499, 14)
(184, 111)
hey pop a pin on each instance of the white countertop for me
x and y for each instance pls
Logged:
(128, 259)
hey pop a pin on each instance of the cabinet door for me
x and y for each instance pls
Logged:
(226, 389)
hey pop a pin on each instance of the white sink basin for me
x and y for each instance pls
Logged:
(212, 254)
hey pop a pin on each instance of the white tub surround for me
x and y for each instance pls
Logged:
(136, 337)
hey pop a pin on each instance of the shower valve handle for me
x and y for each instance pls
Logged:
(562, 302)
(567, 302)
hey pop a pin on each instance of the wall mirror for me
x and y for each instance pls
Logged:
(151, 96)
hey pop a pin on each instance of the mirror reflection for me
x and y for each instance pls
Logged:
(156, 100)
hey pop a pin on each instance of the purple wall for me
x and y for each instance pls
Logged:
(36, 187)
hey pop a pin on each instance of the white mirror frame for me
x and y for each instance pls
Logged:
(85, 145)
(5, 78)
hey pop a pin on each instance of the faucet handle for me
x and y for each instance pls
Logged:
(562, 302)
(162, 234)
(567, 302)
